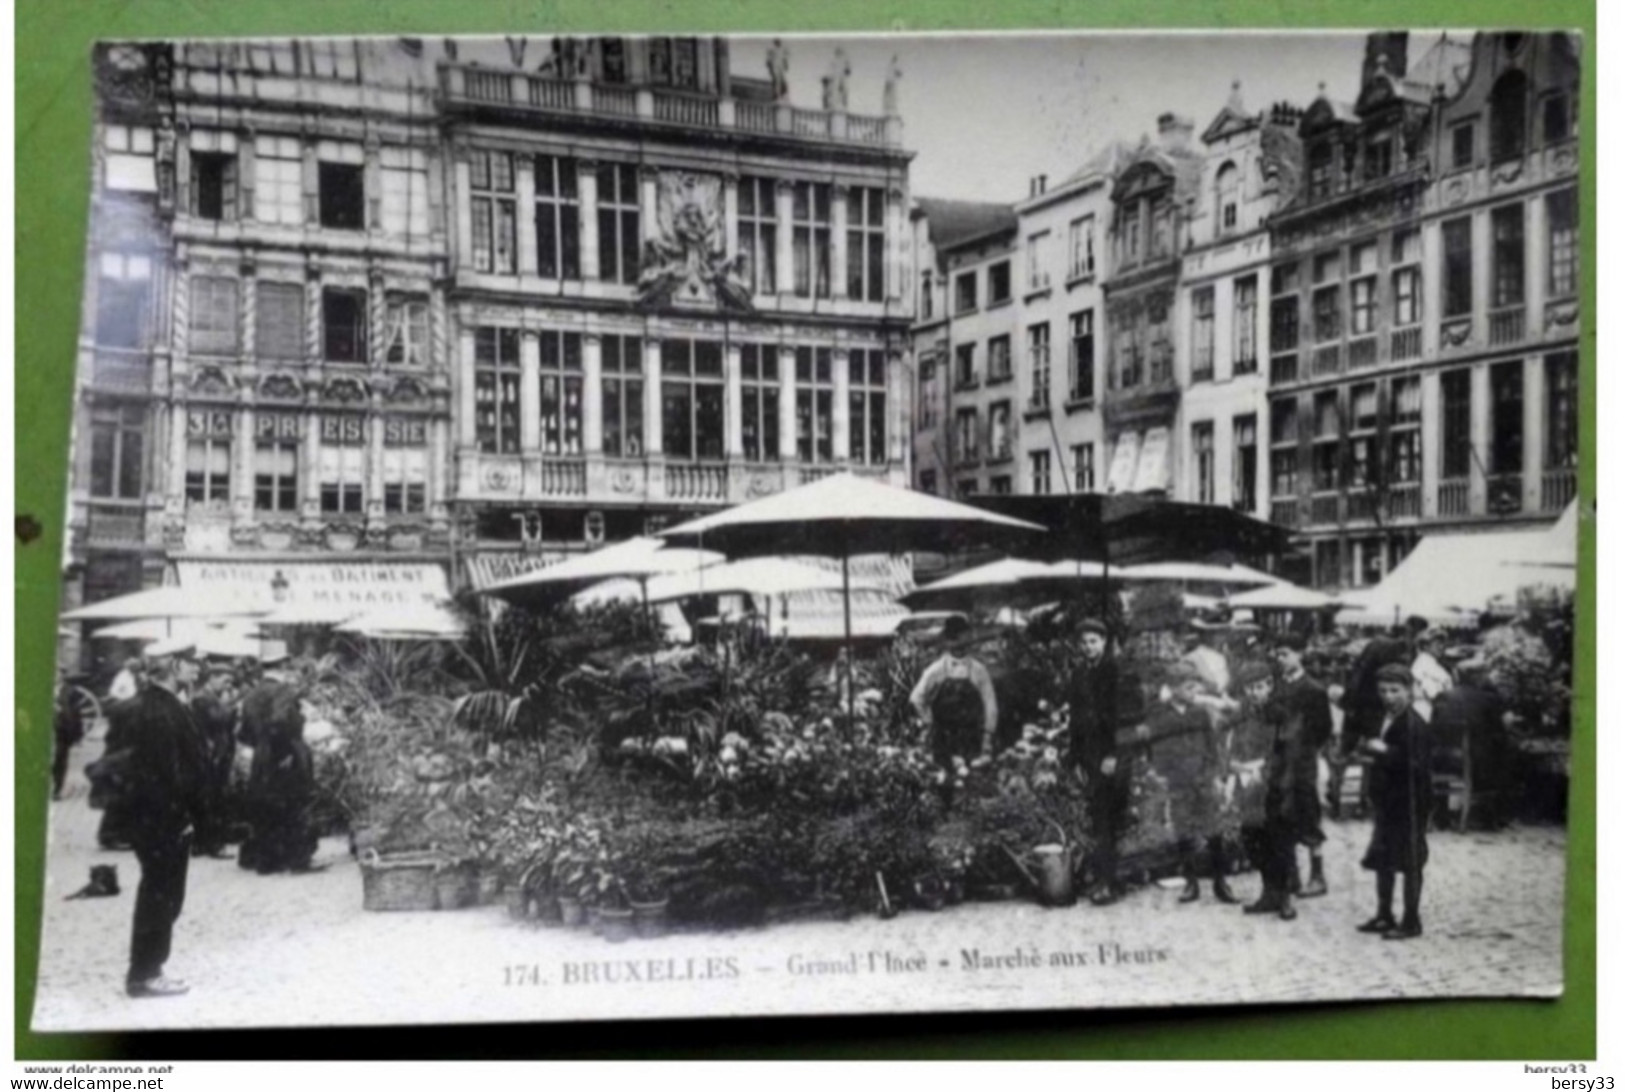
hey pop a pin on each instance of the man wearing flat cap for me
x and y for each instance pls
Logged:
(165, 802)
(1184, 749)
(1106, 706)
(1305, 717)
(1401, 789)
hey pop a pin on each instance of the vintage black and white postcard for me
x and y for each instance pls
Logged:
(571, 528)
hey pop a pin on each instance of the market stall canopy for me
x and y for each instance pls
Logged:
(171, 601)
(1282, 596)
(755, 576)
(1561, 546)
(845, 515)
(1195, 572)
(405, 622)
(1448, 578)
(637, 559)
(1132, 530)
(1018, 578)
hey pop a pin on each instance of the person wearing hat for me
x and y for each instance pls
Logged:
(1362, 706)
(1428, 672)
(1469, 721)
(1184, 749)
(1106, 707)
(216, 719)
(1401, 791)
(166, 800)
(1255, 767)
(1305, 717)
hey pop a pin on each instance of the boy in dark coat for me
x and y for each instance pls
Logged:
(1306, 728)
(1255, 765)
(1401, 789)
(1362, 706)
(1106, 707)
(1184, 749)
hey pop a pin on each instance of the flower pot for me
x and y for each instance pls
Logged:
(593, 920)
(544, 908)
(649, 919)
(490, 888)
(571, 912)
(518, 903)
(615, 925)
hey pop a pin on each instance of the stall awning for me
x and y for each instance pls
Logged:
(328, 591)
(1449, 577)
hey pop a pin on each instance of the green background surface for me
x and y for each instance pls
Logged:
(53, 132)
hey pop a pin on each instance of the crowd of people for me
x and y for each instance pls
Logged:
(167, 786)
(1251, 726)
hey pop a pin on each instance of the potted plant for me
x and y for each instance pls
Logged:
(646, 891)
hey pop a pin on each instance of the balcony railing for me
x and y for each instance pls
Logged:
(686, 109)
(757, 117)
(1557, 489)
(487, 86)
(552, 94)
(1362, 506)
(1323, 509)
(1453, 497)
(1284, 512)
(116, 527)
(809, 122)
(1506, 326)
(564, 478)
(622, 101)
(1405, 344)
(866, 130)
(1363, 352)
(1284, 369)
(1405, 501)
(1328, 360)
(704, 482)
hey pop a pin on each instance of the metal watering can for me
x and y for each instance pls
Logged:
(1049, 869)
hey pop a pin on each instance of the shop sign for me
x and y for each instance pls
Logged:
(206, 424)
(406, 432)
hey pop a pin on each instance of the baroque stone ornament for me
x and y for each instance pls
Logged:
(500, 478)
(283, 388)
(345, 391)
(1507, 173)
(1561, 315)
(407, 392)
(761, 485)
(623, 480)
(1455, 191)
(1455, 334)
(212, 381)
(687, 262)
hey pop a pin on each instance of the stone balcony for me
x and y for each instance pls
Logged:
(469, 86)
(608, 481)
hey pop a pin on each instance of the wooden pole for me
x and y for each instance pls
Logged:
(846, 604)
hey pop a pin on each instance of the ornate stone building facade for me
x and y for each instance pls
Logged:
(1424, 303)
(670, 289)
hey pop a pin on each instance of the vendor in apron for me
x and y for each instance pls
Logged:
(955, 700)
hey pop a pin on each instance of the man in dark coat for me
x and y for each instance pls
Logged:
(217, 726)
(281, 782)
(1401, 790)
(1471, 717)
(1184, 749)
(166, 801)
(1305, 728)
(1106, 707)
(68, 728)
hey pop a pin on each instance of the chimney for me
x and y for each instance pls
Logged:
(1175, 132)
(1037, 185)
(1391, 47)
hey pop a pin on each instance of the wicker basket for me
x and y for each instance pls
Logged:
(406, 882)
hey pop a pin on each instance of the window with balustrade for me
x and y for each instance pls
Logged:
(998, 358)
(1456, 424)
(693, 394)
(1363, 468)
(406, 333)
(404, 191)
(1083, 467)
(344, 325)
(1506, 417)
(1202, 334)
(815, 405)
(1081, 357)
(1328, 312)
(558, 218)
(1457, 237)
(123, 300)
(496, 389)
(1202, 459)
(560, 387)
(1244, 464)
(279, 191)
(1038, 470)
(618, 223)
(117, 452)
(213, 178)
(759, 233)
(341, 467)
(999, 438)
(1038, 369)
(1245, 324)
(492, 217)
(621, 364)
(1325, 450)
(1562, 411)
(341, 185)
(1506, 256)
(866, 243)
(1562, 243)
(866, 396)
(1405, 432)
(810, 239)
(214, 315)
(759, 397)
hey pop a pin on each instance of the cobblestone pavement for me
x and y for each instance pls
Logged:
(299, 950)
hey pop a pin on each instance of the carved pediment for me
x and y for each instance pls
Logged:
(407, 392)
(345, 391)
(687, 262)
(212, 381)
(283, 388)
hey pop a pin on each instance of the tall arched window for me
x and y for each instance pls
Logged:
(1509, 117)
(1228, 188)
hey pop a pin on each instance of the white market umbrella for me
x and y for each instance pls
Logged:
(407, 621)
(1195, 572)
(157, 629)
(312, 614)
(1282, 596)
(169, 601)
(1448, 578)
(1559, 547)
(845, 515)
(1008, 574)
(765, 576)
(636, 559)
